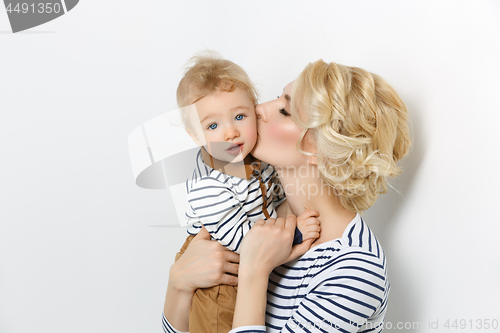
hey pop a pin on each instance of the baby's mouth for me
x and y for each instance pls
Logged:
(234, 147)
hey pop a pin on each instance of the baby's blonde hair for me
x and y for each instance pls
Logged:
(360, 126)
(209, 73)
(206, 74)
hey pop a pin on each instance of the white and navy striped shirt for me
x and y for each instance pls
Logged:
(227, 205)
(338, 286)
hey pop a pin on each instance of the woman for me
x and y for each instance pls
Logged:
(334, 136)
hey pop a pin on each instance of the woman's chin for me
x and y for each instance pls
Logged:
(259, 151)
(257, 154)
(255, 151)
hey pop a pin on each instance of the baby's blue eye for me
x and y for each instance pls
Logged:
(213, 126)
(240, 117)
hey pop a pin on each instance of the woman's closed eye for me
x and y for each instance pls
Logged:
(284, 112)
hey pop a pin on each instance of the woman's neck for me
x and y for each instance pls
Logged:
(306, 189)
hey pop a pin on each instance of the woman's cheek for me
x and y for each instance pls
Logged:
(284, 136)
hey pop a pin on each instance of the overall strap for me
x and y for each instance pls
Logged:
(257, 174)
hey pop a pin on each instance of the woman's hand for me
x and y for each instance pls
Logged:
(269, 244)
(204, 264)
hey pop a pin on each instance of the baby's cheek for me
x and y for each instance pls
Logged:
(251, 135)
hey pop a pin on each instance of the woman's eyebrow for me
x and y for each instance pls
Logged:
(288, 98)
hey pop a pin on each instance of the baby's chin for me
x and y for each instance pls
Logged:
(229, 158)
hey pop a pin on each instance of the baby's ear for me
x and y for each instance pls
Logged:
(195, 137)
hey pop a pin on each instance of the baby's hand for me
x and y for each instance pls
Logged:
(308, 224)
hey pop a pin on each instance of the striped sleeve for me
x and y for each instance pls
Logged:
(167, 327)
(347, 299)
(214, 205)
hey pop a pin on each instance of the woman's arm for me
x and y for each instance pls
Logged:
(267, 245)
(204, 264)
(177, 303)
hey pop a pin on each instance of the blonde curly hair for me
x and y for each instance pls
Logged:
(360, 127)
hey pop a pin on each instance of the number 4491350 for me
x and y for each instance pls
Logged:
(477, 324)
(47, 8)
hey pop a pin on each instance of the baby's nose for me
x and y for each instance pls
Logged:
(232, 133)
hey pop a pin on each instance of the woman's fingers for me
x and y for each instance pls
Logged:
(231, 268)
(271, 221)
(232, 257)
(300, 249)
(260, 222)
(205, 263)
(291, 223)
(229, 280)
(280, 222)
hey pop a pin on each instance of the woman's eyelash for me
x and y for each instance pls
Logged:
(283, 112)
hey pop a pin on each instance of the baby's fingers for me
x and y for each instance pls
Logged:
(310, 235)
(307, 214)
(302, 224)
(312, 227)
(311, 221)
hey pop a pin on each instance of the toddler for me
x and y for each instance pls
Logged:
(229, 189)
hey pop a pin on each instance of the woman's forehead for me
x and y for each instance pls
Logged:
(288, 88)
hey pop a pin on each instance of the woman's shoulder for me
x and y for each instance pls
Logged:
(357, 238)
(357, 252)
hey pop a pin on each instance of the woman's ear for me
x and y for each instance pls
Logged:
(309, 146)
(313, 160)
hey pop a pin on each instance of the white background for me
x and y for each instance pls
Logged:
(78, 248)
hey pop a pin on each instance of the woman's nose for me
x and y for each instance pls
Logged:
(261, 111)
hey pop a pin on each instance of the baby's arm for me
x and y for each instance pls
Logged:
(308, 224)
(213, 205)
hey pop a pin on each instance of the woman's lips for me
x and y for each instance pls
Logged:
(235, 149)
